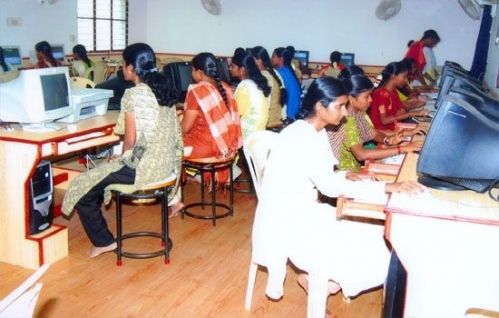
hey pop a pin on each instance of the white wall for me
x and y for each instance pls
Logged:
(137, 17)
(53, 23)
(319, 26)
(182, 26)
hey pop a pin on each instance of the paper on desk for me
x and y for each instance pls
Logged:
(429, 205)
(394, 160)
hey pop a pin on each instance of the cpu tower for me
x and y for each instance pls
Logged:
(41, 198)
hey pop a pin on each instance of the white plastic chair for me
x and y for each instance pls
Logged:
(22, 301)
(81, 82)
(256, 151)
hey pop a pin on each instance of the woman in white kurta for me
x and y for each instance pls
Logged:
(291, 223)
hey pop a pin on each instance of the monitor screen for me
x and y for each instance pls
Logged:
(461, 149)
(55, 91)
(185, 76)
(454, 78)
(348, 59)
(58, 52)
(36, 96)
(12, 55)
(180, 73)
(302, 57)
(223, 69)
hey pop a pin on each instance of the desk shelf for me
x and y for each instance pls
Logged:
(20, 153)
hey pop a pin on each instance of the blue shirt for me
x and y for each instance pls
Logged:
(293, 91)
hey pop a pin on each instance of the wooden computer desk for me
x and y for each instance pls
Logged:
(20, 152)
(448, 244)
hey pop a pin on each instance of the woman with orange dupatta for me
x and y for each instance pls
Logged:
(211, 124)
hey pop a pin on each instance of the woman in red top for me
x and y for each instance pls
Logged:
(430, 39)
(45, 56)
(386, 107)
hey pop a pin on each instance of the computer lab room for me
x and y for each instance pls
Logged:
(229, 158)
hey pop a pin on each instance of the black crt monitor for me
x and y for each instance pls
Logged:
(58, 52)
(486, 104)
(180, 73)
(348, 59)
(456, 78)
(302, 57)
(223, 70)
(453, 65)
(461, 149)
(12, 56)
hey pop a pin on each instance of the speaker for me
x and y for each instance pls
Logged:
(41, 202)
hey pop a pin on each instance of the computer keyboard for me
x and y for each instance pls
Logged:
(43, 127)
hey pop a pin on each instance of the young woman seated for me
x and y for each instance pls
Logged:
(386, 107)
(335, 67)
(277, 90)
(210, 123)
(281, 59)
(252, 93)
(291, 223)
(347, 140)
(408, 94)
(45, 56)
(82, 62)
(152, 148)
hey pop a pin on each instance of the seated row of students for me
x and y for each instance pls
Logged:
(386, 107)
(299, 164)
(348, 139)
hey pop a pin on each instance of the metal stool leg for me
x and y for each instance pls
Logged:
(202, 189)
(231, 193)
(213, 195)
(118, 229)
(165, 225)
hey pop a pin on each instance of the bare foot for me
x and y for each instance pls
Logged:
(96, 251)
(302, 280)
(333, 287)
(175, 209)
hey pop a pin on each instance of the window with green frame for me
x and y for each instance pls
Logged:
(103, 24)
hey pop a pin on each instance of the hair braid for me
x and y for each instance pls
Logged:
(283, 94)
(221, 89)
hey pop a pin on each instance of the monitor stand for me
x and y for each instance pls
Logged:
(439, 184)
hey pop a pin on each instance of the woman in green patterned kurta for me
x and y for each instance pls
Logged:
(347, 140)
(152, 147)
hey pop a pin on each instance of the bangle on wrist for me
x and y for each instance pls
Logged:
(386, 141)
(398, 150)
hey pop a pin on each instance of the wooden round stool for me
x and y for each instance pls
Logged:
(147, 195)
(211, 165)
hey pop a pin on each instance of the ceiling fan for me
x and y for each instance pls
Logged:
(387, 9)
(472, 7)
(42, 2)
(212, 6)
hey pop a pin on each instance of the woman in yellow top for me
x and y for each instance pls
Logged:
(252, 93)
(82, 62)
(277, 90)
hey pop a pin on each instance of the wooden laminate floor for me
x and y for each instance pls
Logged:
(207, 275)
